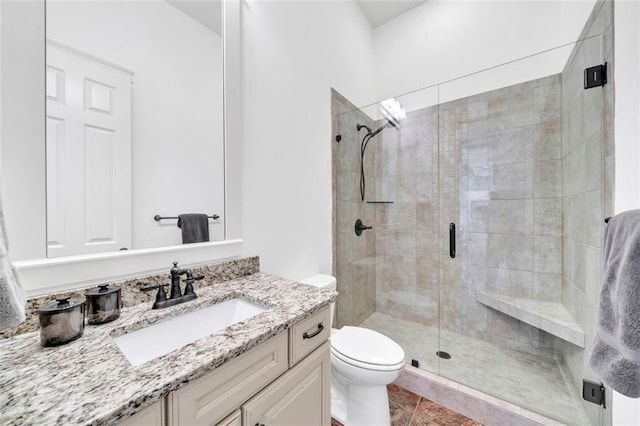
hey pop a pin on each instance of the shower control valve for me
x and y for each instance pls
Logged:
(361, 227)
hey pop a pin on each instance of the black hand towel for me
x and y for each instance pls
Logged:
(195, 227)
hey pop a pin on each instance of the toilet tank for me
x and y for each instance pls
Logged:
(323, 281)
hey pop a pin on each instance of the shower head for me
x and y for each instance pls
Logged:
(371, 133)
(389, 123)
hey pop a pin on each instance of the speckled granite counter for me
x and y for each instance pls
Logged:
(90, 382)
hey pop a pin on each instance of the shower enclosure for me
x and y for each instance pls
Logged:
(486, 204)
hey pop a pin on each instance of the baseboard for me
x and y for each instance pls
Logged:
(469, 402)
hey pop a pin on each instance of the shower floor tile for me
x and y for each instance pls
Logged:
(534, 383)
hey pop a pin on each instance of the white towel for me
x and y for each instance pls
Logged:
(12, 300)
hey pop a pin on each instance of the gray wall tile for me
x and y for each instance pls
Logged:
(512, 181)
(511, 216)
(510, 146)
(510, 282)
(513, 109)
(547, 103)
(547, 216)
(510, 252)
(547, 181)
(473, 248)
(547, 141)
(547, 254)
(547, 287)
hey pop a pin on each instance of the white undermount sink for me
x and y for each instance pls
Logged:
(161, 338)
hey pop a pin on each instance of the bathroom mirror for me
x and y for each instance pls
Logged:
(134, 112)
(184, 157)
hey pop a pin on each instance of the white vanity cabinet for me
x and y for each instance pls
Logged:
(234, 419)
(283, 381)
(300, 397)
(211, 398)
(152, 415)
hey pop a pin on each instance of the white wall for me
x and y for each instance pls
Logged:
(293, 52)
(627, 106)
(22, 137)
(626, 411)
(0, 93)
(445, 39)
(177, 151)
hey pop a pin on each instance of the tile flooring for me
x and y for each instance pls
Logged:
(511, 375)
(409, 409)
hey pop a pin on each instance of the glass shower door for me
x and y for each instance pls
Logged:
(406, 236)
(513, 163)
(392, 158)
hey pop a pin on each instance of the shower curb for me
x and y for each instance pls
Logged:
(469, 402)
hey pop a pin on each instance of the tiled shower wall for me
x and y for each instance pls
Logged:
(354, 256)
(495, 171)
(406, 232)
(587, 165)
(501, 184)
(525, 172)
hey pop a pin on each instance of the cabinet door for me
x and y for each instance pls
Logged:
(235, 419)
(301, 397)
(212, 397)
(150, 416)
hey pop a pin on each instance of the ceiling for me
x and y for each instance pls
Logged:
(207, 12)
(379, 12)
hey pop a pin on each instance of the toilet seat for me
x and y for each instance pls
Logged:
(367, 349)
(366, 366)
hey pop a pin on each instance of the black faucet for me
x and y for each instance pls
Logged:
(176, 297)
(175, 281)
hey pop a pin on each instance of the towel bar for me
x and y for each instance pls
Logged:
(158, 218)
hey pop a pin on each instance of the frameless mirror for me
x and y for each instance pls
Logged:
(134, 122)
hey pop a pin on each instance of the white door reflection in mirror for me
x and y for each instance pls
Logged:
(88, 154)
(175, 163)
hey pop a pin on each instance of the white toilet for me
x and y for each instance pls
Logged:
(363, 363)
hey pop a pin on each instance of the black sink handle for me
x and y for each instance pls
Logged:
(153, 287)
(161, 295)
(192, 278)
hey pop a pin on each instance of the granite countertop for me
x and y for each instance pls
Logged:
(89, 381)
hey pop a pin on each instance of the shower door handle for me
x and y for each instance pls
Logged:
(452, 240)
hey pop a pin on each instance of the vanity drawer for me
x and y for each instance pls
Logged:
(209, 399)
(308, 334)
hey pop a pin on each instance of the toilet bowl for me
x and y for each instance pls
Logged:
(363, 363)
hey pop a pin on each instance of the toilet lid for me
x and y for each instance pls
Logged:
(367, 346)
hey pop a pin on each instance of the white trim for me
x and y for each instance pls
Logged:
(626, 411)
(232, 118)
(627, 106)
(46, 276)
